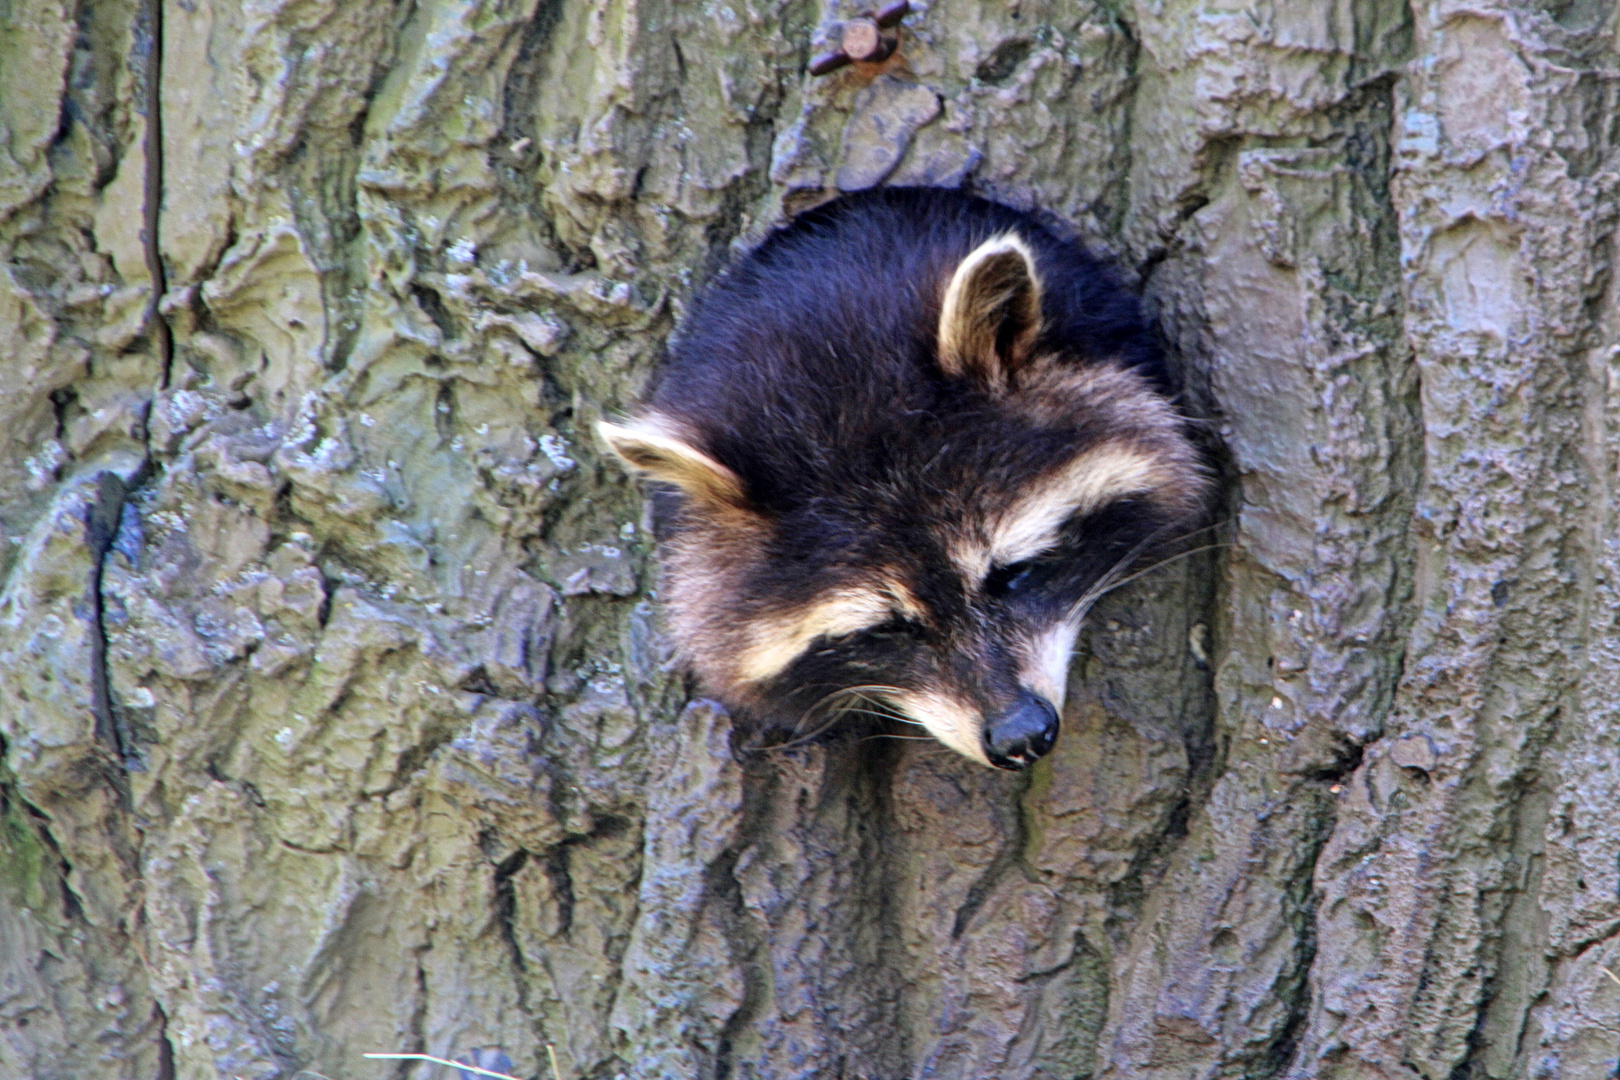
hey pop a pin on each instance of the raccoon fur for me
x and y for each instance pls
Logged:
(903, 442)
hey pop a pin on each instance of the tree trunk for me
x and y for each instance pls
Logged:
(336, 716)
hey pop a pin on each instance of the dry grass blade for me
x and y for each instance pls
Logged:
(450, 1064)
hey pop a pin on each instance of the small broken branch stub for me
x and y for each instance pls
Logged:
(870, 38)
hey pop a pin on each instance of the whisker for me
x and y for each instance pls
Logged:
(885, 707)
(850, 710)
(1211, 527)
(1120, 584)
(1090, 596)
(835, 712)
(818, 705)
(866, 700)
(865, 694)
(793, 744)
(858, 710)
(880, 714)
(1111, 580)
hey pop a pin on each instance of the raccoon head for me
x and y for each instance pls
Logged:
(916, 522)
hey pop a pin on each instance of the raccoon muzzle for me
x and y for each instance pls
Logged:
(1023, 734)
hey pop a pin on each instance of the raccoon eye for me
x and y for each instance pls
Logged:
(1005, 580)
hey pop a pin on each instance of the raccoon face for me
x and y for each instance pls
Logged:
(897, 479)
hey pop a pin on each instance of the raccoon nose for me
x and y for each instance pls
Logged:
(1021, 735)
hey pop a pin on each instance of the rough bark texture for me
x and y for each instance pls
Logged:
(334, 709)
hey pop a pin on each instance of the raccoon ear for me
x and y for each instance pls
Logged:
(992, 311)
(658, 450)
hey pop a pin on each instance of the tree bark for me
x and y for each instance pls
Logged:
(335, 712)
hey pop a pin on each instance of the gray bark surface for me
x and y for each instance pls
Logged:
(335, 713)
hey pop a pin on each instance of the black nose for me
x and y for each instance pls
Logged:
(1021, 735)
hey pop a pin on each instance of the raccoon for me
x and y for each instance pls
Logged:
(900, 446)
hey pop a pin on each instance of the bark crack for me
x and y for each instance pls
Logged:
(505, 898)
(165, 1045)
(747, 946)
(101, 527)
(1278, 1057)
(158, 325)
(1013, 855)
